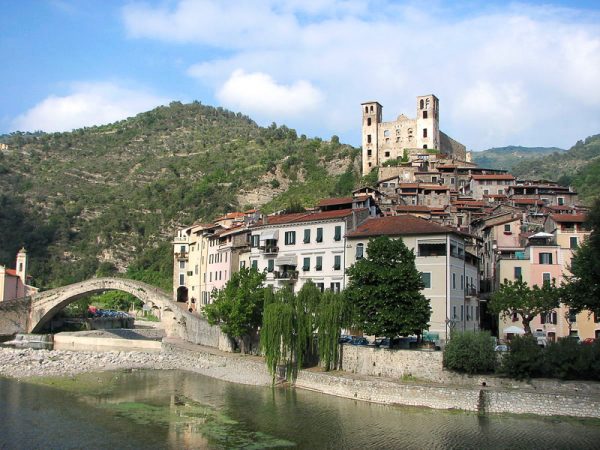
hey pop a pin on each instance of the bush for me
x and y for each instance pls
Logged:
(567, 359)
(470, 352)
(524, 360)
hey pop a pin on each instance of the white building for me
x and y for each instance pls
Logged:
(450, 274)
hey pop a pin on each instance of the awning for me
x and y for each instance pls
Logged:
(286, 261)
(269, 235)
(514, 330)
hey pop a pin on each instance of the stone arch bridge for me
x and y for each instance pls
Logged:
(30, 314)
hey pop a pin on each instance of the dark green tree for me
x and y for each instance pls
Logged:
(238, 307)
(385, 290)
(582, 292)
(517, 298)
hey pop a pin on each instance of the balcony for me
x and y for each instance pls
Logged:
(291, 275)
(269, 249)
(181, 256)
(470, 292)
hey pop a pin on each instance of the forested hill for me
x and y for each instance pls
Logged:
(508, 157)
(579, 167)
(105, 198)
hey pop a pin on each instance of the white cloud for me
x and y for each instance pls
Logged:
(87, 104)
(257, 93)
(517, 74)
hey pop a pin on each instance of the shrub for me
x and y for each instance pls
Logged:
(470, 352)
(567, 359)
(524, 360)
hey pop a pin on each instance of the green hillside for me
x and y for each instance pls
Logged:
(102, 199)
(579, 167)
(508, 157)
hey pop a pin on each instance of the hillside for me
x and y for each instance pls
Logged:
(101, 199)
(579, 167)
(508, 157)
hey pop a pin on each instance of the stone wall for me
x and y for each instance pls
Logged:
(395, 364)
(14, 315)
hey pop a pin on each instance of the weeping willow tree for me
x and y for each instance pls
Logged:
(332, 315)
(286, 335)
(290, 323)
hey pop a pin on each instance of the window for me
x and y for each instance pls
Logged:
(424, 132)
(337, 262)
(486, 192)
(306, 264)
(320, 286)
(335, 287)
(319, 265)
(368, 138)
(453, 281)
(507, 227)
(306, 236)
(500, 191)
(319, 234)
(462, 282)
(181, 279)
(369, 153)
(561, 201)
(360, 248)
(573, 241)
(182, 264)
(196, 270)
(432, 249)
(426, 277)
(572, 316)
(546, 277)
(421, 103)
(270, 265)
(518, 273)
(338, 233)
(242, 264)
(424, 114)
(255, 264)
(477, 313)
(254, 240)
(387, 154)
(182, 249)
(545, 258)
(434, 179)
(210, 277)
(454, 316)
(596, 316)
(462, 312)
(290, 237)
(369, 122)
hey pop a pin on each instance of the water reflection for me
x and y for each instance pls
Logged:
(151, 409)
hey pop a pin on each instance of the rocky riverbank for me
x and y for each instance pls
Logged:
(568, 400)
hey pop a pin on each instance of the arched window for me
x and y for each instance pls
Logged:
(371, 108)
(360, 251)
(421, 104)
(366, 109)
(369, 122)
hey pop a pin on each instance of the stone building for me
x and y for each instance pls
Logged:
(404, 137)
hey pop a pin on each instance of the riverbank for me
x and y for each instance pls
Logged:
(547, 398)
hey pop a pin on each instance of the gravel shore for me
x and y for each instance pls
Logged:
(25, 362)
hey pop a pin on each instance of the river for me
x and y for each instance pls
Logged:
(175, 409)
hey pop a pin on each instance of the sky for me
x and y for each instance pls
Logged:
(524, 73)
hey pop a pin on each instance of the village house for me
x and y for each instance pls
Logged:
(450, 274)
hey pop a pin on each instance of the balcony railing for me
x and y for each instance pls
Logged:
(269, 249)
(181, 255)
(291, 275)
(470, 292)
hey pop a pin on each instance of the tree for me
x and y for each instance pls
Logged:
(238, 307)
(385, 290)
(517, 298)
(582, 291)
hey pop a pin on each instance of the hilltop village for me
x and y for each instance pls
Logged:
(470, 228)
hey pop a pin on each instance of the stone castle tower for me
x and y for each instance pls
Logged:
(382, 141)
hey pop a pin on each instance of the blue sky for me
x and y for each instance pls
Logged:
(506, 73)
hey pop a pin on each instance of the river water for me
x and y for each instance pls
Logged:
(173, 410)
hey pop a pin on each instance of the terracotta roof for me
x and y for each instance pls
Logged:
(527, 201)
(232, 215)
(502, 222)
(447, 166)
(308, 217)
(413, 208)
(396, 226)
(11, 272)
(494, 196)
(434, 187)
(493, 177)
(560, 207)
(335, 201)
(408, 185)
(562, 218)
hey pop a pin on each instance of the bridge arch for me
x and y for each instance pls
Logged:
(45, 305)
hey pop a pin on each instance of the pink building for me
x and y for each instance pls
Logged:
(13, 282)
